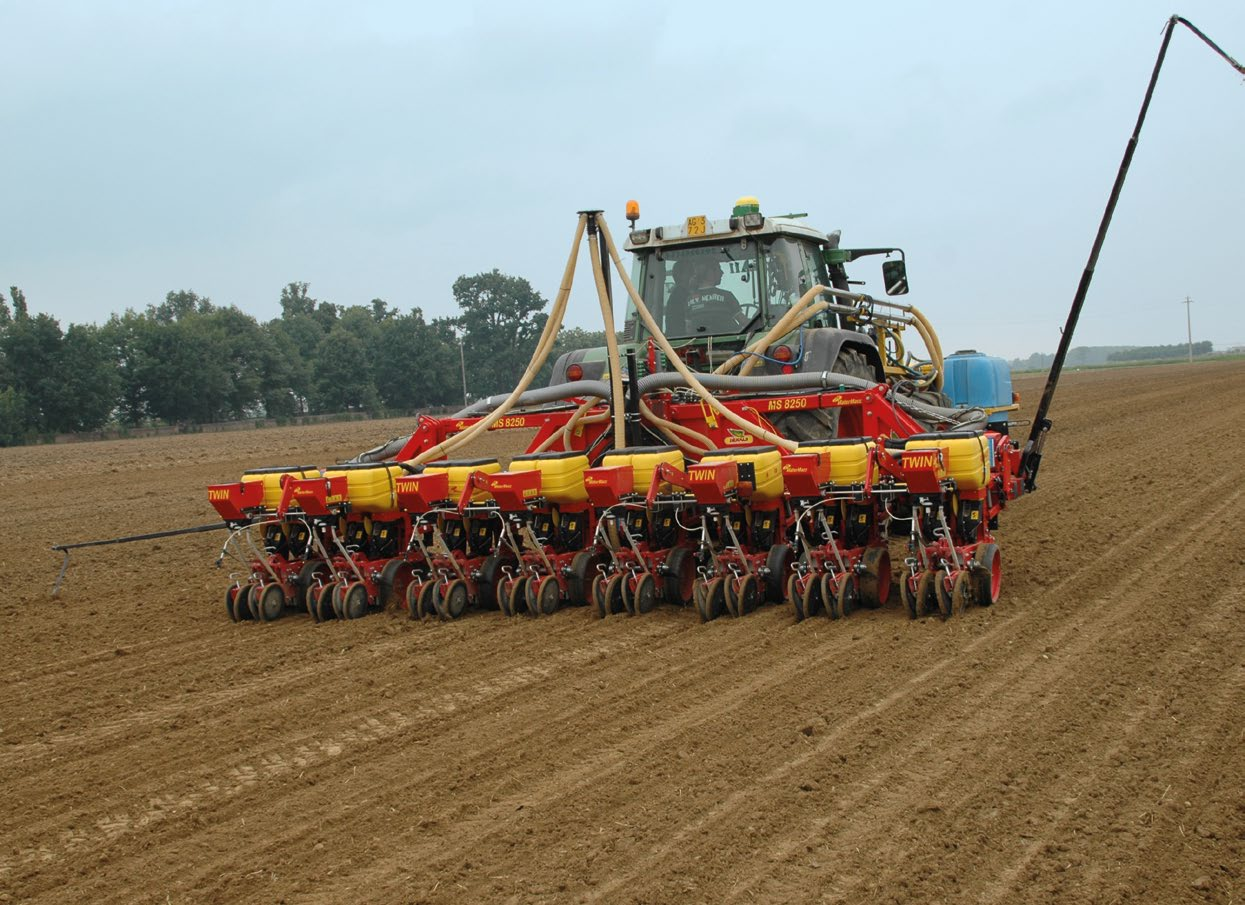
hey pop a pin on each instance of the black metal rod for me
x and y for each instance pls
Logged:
(1032, 455)
(155, 535)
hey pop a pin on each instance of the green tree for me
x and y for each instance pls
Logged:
(417, 362)
(344, 374)
(501, 320)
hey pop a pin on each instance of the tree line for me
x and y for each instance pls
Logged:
(188, 361)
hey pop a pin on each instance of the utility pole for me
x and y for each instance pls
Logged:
(1188, 316)
(462, 364)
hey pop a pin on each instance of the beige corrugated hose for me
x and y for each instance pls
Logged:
(779, 329)
(613, 361)
(782, 329)
(664, 344)
(543, 348)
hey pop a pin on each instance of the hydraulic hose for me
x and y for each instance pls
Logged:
(577, 389)
(755, 430)
(543, 348)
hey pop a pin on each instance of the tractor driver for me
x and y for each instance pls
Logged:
(697, 304)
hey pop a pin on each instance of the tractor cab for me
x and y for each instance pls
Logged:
(713, 286)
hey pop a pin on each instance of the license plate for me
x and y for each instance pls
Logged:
(695, 226)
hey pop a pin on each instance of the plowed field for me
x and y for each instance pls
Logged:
(1081, 741)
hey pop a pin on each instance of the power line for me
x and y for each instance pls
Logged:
(1188, 316)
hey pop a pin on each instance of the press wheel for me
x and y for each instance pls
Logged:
(413, 590)
(875, 581)
(961, 593)
(547, 597)
(597, 590)
(231, 601)
(712, 601)
(579, 583)
(680, 576)
(269, 602)
(516, 596)
(909, 594)
(829, 587)
(927, 594)
(795, 597)
(354, 600)
(451, 600)
(989, 574)
(644, 594)
(426, 602)
(614, 594)
(324, 603)
(747, 594)
(848, 598)
(778, 564)
(943, 594)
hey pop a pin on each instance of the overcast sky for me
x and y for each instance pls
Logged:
(383, 149)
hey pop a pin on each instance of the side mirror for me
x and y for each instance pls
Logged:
(895, 277)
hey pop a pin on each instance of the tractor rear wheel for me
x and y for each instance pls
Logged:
(820, 424)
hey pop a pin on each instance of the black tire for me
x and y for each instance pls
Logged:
(961, 593)
(988, 575)
(680, 578)
(388, 586)
(795, 598)
(848, 598)
(644, 596)
(354, 601)
(426, 602)
(615, 594)
(491, 575)
(412, 599)
(548, 596)
(943, 594)
(926, 594)
(452, 600)
(779, 562)
(875, 581)
(270, 602)
(579, 582)
(324, 602)
(909, 596)
(820, 424)
(231, 597)
(597, 593)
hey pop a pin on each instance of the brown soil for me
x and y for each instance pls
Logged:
(1081, 741)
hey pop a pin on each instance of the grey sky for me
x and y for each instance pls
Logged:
(383, 149)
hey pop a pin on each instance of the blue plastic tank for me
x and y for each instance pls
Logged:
(971, 378)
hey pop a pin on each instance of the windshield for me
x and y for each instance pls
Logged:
(715, 290)
(699, 291)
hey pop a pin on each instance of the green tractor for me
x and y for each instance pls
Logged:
(715, 286)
